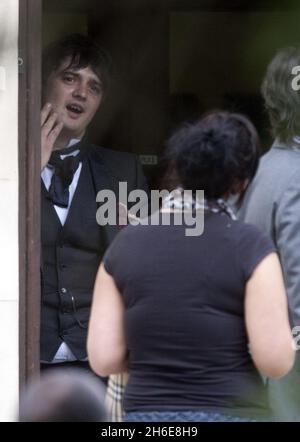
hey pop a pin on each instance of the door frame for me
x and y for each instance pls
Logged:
(30, 42)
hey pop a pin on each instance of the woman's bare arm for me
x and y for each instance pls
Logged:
(270, 338)
(106, 342)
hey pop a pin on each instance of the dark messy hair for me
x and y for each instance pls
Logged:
(281, 100)
(65, 395)
(214, 154)
(82, 52)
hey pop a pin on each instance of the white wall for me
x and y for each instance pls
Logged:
(9, 272)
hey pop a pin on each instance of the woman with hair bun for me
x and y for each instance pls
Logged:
(198, 320)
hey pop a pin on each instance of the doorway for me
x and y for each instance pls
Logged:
(30, 15)
(173, 60)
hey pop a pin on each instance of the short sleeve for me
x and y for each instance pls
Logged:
(106, 260)
(110, 258)
(116, 257)
(253, 247)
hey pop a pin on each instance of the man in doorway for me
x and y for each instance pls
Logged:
(75, 77)
(272, 202)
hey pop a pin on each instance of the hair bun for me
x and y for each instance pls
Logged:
(213, 154)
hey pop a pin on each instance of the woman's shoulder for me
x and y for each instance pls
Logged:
(245, 227)
(252, 241)
(249, 230)
(132, 230)
(233, 225)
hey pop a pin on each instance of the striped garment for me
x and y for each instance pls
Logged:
(114, 396)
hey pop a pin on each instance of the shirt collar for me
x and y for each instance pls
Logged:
(73, 141)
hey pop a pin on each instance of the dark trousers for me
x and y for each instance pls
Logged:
(84, 365)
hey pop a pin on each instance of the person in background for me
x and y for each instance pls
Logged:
(272, 203)
(196, 319)
(71, 395)
(75, 81)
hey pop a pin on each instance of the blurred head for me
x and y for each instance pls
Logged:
(218, 154)
(75, 78)
(281, 100)
(63, 396)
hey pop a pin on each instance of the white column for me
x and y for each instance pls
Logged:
(9, 252)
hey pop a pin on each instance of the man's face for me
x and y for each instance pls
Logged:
(75, 95)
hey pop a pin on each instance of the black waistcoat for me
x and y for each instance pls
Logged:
(70, 258)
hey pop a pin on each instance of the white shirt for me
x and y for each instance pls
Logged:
(64, 353)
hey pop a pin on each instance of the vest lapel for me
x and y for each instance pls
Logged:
(78, 199)
(103, 179)
(51, 210)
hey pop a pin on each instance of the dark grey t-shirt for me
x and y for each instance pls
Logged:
(184, 318)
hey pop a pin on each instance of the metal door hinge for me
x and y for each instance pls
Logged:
(21, 65)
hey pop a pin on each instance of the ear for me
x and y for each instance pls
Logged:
(239, 186)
